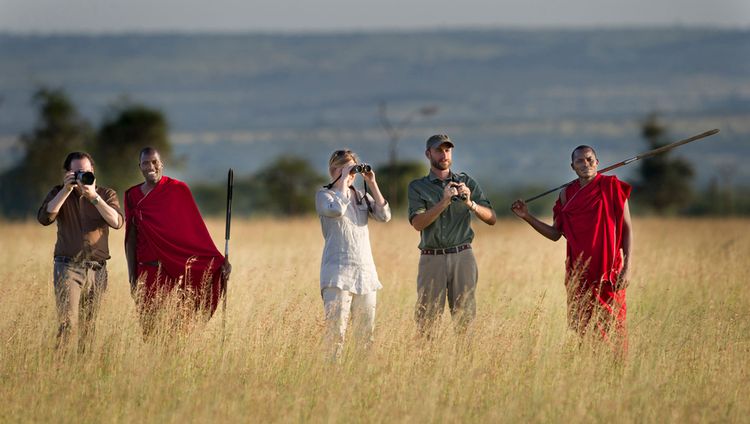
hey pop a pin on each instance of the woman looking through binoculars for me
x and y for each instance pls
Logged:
(348, 279)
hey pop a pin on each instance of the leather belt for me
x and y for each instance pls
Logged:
(446, 251)
(95, 265)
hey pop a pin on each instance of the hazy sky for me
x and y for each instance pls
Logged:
(337, 15)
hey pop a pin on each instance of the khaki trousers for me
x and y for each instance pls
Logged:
(452, 275)
(78, 292)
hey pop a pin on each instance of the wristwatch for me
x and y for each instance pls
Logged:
(95, 200)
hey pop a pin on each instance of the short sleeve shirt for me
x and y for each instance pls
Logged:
(453, 226)
(82, 233)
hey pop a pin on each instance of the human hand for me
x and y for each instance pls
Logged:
(226, 269)
(88, 191)
(346, 179)
(623, 279)
(369, 176)
(448, 192)
(464, 193)
(69, 181)
(520, 208)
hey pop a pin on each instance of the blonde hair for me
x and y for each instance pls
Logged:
(339, 158)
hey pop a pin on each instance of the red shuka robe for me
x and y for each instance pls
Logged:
(591, 221)
(173, 246)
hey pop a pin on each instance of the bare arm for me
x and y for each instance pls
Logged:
(627, 248)
(377, 196)
(381, 210)
(130, 255)
(423, 220)
(111, 216)
(54, 205)
(522, 211)
(485, 214)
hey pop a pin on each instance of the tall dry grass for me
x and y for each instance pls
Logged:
(688, 316)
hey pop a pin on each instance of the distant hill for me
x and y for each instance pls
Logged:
(515, 101)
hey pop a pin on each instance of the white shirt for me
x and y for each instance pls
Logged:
(347, 257)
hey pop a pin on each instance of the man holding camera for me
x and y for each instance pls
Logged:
(440, 208)
(84, 213)
(168, 246)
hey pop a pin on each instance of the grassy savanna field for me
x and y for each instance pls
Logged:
(688, 316)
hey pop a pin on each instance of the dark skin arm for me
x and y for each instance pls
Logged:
(627, 246)
(130, 256)
(549, 231)
(522, 211)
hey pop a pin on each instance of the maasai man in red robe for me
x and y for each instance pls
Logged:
(168, 247)
(593, 215)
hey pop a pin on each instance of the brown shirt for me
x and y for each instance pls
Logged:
(82, 233)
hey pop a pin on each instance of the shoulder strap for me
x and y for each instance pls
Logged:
(359, 201)
(329, 186)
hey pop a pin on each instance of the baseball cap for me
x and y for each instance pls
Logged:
(438, 139)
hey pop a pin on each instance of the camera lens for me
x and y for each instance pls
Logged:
(85, 177)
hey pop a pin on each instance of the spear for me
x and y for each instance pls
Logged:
(230, 183)
(648, 154)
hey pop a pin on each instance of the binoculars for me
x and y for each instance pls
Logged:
(361, 168)
(455, 198)
(85, 177)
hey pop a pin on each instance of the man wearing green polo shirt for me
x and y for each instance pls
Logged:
(440, 208)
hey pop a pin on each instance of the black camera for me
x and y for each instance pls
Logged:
(85, 177)
(361, 168)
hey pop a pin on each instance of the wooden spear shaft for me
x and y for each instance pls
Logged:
(633, 159)
(230, 185)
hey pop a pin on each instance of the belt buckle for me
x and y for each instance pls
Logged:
(94, 265)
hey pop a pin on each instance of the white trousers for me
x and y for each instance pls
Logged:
(339, 306)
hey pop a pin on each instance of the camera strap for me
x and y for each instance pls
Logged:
(356, 196)
(359, 201)
(369, 206)
(329, 186)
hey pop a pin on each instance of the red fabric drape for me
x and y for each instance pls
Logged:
(591, 221)
(170, 230)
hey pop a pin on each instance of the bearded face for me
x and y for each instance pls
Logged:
(440, 157)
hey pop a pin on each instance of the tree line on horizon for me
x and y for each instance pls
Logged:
(286, 186)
